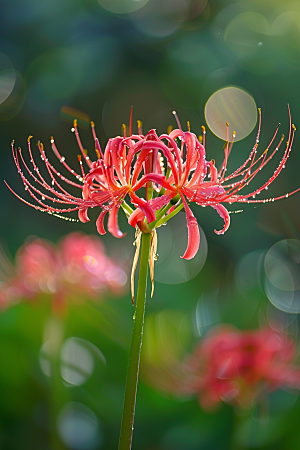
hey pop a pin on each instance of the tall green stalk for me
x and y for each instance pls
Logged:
(135, 348)
(55, 334)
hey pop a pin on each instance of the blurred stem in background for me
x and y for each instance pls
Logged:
(55, 329)
(135, 348)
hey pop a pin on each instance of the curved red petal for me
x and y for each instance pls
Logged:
(155, 178)
(145, 207)
(99, 223)
(82, 215)
(156, 203)
(222, 211)
(193, 233)
(136, 216)
(112, 225)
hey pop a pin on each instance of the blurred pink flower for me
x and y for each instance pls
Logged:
(75, 269)
(172, 168)
(239, 366)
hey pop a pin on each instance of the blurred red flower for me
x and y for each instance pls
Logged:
(77, 268)
(239, 366)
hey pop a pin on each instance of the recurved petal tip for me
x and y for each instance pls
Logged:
(193, 235)
(83, 216)
(112, 225)
(222, 211)
(99, 223)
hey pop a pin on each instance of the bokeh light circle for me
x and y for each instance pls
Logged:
(282, 266)
(282, 270)
(77, 362)
(246, 32)
(78, 427)
(248, 275)
(234, 106)
(122, 6)
(7, 77)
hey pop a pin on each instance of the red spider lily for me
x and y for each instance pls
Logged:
(77, 268)
(188, 179)
(237, 366)
(176, 174)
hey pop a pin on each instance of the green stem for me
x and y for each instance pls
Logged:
(169, 216)
(55, 328)
(161, 213)
(135, 348)
(126, 208)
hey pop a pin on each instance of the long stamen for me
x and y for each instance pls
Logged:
(86, 158)
(81, 166)
(203, 135)
(139, 124)
(177, 120)
(130, 121)
(61, 158)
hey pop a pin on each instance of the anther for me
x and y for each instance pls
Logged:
(28, 139)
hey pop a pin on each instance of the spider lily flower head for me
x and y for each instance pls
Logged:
(75, 269)
(239, 366)
(170, 170)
